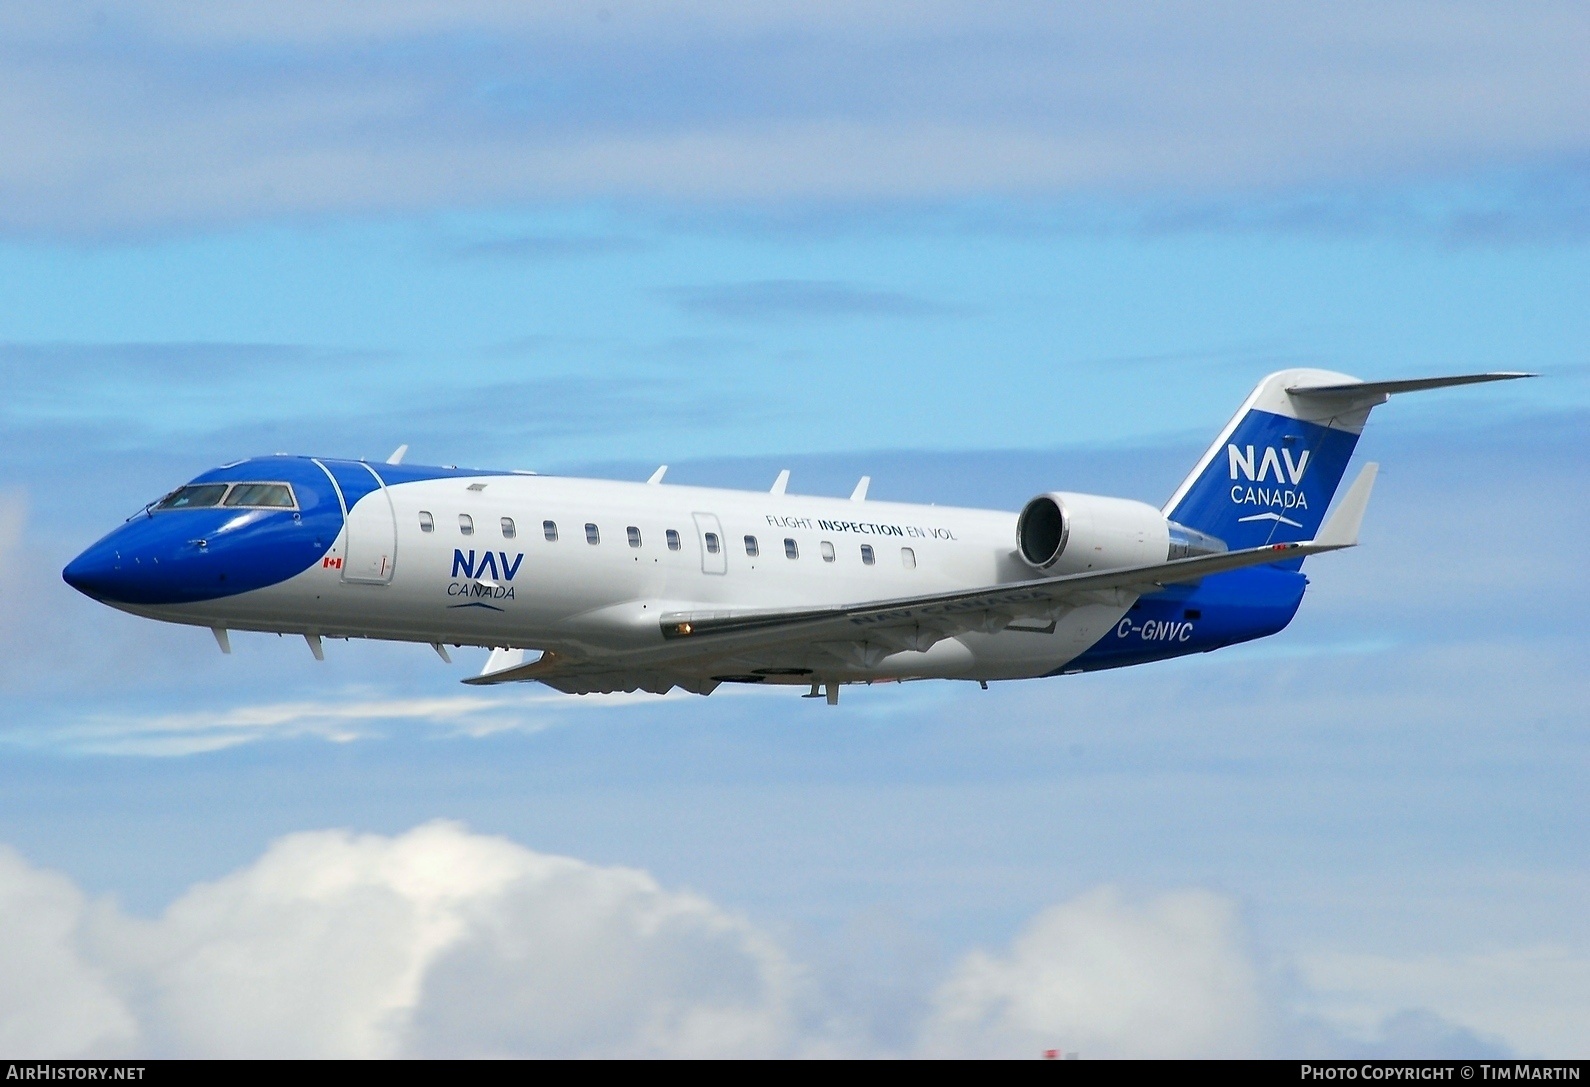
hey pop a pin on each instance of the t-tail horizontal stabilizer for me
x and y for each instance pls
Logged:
(1273, 471)
(1380, 390)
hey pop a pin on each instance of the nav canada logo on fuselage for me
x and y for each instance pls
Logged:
(479, 580)
(1269, 478)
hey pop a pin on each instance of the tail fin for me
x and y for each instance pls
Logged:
(1271, 474)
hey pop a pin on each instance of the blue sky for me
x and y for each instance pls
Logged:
(973, 251)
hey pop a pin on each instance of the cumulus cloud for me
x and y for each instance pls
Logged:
(1100, 975)
(436, 941)
(53, 999)
(443, 942)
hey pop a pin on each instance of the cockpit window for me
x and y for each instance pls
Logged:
(268, 495)
(193, 496)
(276, 496)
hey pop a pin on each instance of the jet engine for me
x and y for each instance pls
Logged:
(1061, 533)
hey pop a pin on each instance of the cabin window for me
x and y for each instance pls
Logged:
(828, 551)
(713, 545)
(867, 557)
(427, 522)
(908, 558)
(261, 495)
(634, 536)
(549, 529)
(593, 535)
(673, 540)
(750, 547)
(509, 529)
(193, 496)
(466, 524)
(791, 549)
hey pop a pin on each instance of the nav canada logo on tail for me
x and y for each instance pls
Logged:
(1269, 464)
(1275, 465)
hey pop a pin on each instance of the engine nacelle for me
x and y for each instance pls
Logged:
(1060, 533)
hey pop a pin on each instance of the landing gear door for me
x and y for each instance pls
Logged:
(371, 556)
(714, 553)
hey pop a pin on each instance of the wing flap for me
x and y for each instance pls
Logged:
(964, 610)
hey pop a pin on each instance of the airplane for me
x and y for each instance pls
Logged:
(593, 586)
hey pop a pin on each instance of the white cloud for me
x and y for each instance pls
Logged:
(53, 1001)
(185, 113)
(1108, 978)
(338, 721)
(354, 717)
(443, 941)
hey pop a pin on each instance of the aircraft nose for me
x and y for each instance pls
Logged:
(96, 572)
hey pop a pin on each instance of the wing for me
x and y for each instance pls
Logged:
(860, 635)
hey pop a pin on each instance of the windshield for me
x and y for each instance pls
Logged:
(247, 495)
(272, 495)
(193, 496)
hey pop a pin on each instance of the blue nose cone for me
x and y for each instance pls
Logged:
(150, 560)
(185, 556)
(97, 573)
(145, 561)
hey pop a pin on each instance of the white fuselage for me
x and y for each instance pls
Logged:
(653, 555)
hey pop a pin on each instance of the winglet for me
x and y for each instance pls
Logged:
(780, 483)
(398, 454)
(1342, 528)
(656, 477)
(860, 493)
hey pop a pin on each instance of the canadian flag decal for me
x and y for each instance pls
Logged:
(331, 562)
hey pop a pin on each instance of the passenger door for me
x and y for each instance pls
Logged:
(371, 542)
